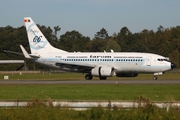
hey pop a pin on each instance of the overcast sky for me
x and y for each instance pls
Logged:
(89, 16)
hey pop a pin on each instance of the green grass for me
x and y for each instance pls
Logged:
(44, 76)
(80, 76)
(39, 111)
(90, 92)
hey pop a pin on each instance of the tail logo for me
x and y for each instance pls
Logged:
(37, 39)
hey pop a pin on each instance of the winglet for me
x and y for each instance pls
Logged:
(25, 52)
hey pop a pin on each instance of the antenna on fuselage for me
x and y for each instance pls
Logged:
(112, 51)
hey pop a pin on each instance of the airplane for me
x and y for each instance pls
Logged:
(93, 64)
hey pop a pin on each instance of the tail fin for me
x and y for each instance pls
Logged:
(37, 41)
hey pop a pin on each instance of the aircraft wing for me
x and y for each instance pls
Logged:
(75, 67)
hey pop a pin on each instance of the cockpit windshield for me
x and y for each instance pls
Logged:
(162, 59)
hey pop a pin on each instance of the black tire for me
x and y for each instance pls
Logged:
(102, 78)
(88, 77)
(155, 78)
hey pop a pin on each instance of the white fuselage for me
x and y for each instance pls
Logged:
(122, 61)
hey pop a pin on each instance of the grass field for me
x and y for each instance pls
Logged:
(80, 76)
(88, 92)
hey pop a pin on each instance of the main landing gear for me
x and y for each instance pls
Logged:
(102, 78)
(89, 77)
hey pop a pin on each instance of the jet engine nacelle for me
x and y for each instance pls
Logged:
(103, 71)
(127, 74)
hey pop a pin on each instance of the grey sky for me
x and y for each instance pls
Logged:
(89, 16)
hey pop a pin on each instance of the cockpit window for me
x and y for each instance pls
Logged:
(160, 59)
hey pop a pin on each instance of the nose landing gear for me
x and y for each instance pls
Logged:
(155, 78)
(155, 75)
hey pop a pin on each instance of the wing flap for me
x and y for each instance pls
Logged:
(75, 66)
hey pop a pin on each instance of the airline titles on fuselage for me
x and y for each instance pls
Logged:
(97, 56)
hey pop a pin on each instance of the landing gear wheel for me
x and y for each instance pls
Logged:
(155, 78)
(88, 77)
(102, 78)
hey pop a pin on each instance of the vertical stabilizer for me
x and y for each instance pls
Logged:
(37, 41)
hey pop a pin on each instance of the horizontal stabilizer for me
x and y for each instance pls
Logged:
(12, 52)
(26, 54)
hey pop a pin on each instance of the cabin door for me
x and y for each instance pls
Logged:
(148, 61)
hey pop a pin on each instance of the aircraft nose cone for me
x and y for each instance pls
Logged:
(172, 66)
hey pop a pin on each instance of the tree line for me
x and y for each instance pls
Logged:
(164, 41)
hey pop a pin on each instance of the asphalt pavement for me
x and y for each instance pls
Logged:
(128, 82)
